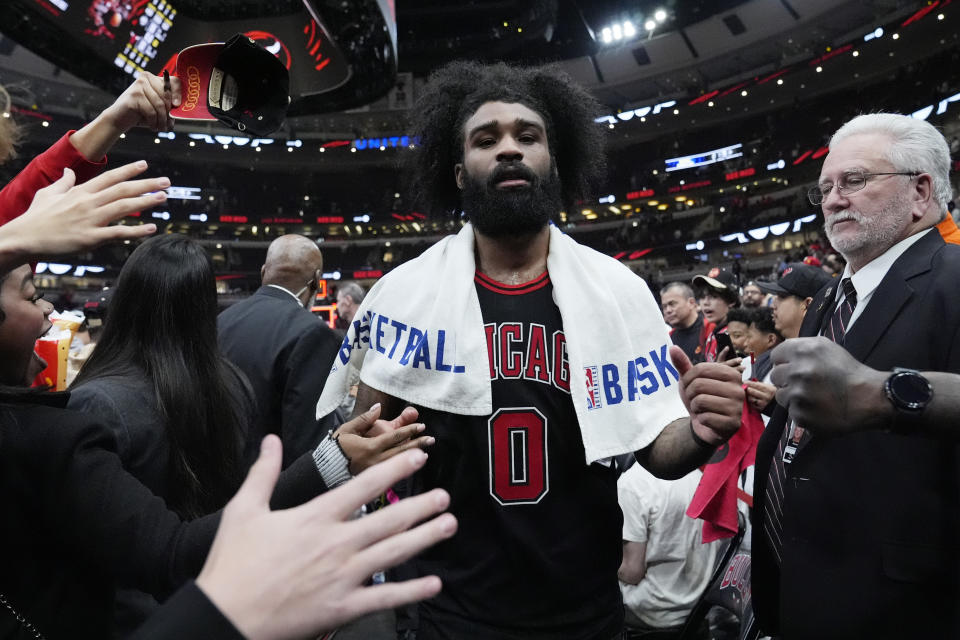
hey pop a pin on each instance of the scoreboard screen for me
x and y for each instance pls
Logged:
(323, 50)
(127, 33)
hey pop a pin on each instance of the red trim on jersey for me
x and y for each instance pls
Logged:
(511, 289)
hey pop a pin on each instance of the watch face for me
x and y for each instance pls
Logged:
(911, 390)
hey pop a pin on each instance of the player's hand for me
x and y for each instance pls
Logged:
(145, 103)
(295, 573)
(365, 440)
(759, 394)
(713, 394)
(827, 390)
(66, 218)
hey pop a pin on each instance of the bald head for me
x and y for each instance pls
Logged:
(292, 262)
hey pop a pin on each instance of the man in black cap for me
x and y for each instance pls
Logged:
(793, 293)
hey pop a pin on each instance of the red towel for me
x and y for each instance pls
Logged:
(715, 500)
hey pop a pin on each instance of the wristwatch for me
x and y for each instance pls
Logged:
(909, 393)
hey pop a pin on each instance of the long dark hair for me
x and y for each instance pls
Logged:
(162, 323)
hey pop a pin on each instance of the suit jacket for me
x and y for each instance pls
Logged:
(871, 519)
(286, 352)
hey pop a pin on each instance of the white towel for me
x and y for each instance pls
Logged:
(418, 336)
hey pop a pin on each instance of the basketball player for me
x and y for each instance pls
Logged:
(537, 551)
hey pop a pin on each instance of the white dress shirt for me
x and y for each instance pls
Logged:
(868, 278)
(276, 286)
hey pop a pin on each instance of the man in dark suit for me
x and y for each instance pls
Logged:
(857, 511)
(284, 349)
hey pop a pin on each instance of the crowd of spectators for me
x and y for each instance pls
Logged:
(145, 455)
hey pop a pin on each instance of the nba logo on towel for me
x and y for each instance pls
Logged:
(593, 387)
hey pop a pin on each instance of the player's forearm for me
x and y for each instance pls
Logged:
(367, 397)
(675, 452)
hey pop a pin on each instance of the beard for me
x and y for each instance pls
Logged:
(881, 229)
(519, 211)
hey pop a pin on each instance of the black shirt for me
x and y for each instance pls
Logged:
(689, 340)
(538, 546)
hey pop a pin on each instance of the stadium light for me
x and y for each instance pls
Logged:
(650, 25)
(618, 31)
(660, 15)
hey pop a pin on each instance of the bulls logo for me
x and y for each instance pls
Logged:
(271, 43)
(193, 89)
(720, 454)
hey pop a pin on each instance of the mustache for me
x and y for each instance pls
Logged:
(512, 171)
(843, 216)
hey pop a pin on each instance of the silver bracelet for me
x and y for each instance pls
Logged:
(332, 463)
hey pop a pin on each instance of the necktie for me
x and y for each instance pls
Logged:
(837, 329)
(773, 520)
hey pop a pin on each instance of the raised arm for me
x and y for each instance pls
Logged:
(144, 103)
(66, 217)
(295, 574)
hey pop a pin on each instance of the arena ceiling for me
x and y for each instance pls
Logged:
(431, 32)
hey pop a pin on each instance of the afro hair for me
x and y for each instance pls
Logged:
(453, 94)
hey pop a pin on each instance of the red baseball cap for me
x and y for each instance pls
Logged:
(237, 82)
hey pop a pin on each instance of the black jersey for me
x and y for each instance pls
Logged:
(539, 543)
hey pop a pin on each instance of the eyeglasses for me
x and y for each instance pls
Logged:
(850, 182)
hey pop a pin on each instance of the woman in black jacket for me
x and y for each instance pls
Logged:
(181, 410)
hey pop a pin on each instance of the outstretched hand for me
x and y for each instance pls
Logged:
(298, 572)
(713, 395)
(65, 217)
(366, 440)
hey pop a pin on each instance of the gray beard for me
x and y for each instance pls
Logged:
(880, 231)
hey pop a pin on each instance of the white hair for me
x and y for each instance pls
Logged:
(915, 145)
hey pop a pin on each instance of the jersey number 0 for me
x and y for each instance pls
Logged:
(517, 440)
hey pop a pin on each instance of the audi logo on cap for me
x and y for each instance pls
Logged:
(193, 89)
